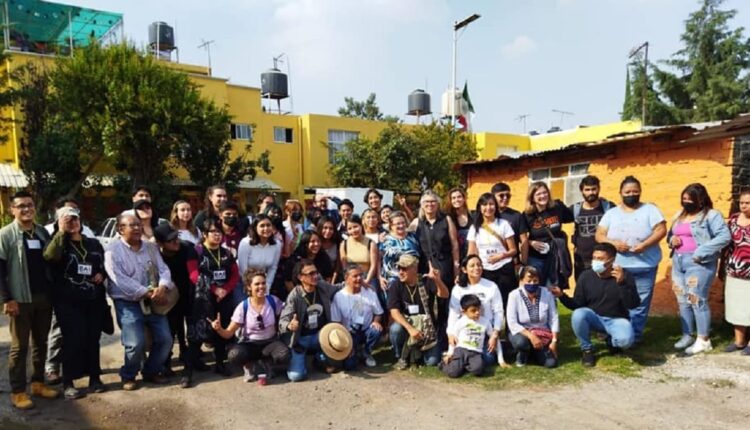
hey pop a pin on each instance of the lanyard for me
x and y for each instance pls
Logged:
(28, 234)
(315, 295)
(217, 260)
(81, 253)
(412, 293)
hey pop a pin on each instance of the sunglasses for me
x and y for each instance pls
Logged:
(259, 320)
(502, 195)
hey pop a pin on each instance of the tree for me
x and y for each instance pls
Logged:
(400, 158)
(657, 111)
(711, 80)
(367, 109)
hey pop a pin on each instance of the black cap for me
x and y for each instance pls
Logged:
(139, 203)
(165, 232)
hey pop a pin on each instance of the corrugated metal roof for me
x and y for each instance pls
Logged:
(11, 177)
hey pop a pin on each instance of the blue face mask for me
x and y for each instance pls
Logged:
(531, 288)
(598, 266)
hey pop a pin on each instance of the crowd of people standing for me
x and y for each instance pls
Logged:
(284, 288)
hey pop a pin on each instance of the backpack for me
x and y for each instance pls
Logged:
(606, 205)
(245, 304)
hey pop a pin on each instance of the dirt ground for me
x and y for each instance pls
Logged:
(709, 391)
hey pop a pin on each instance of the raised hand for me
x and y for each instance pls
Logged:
(215, 324)
(293, 324)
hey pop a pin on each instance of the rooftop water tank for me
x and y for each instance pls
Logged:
(274, 84)
(419, 103)
(447, 104)
(161, 33)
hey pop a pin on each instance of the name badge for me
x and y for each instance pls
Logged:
(220, 275)
(84, 269)
(413, 309)
(34, 244)
(312, 321)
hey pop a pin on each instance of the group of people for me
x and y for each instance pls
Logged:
(283, 288)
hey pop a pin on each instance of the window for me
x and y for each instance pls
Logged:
(241, 132)
(337, 140)
(563, 181)
(283, 135)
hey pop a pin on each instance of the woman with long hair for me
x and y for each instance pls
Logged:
(310, 247)
(361, 250)
(456, 208)
(260, 251)
(372, 225)
(697, 236)
(330, 241)
(181, 220)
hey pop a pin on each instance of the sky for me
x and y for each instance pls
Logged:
(522, 57)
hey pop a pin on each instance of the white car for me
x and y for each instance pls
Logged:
(109, 230)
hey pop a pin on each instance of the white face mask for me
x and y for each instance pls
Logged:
(598, 266)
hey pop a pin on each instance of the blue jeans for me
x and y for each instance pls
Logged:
(132, 324)
(691, 282)
(399, 335)
(584, 321)
(644, 278)
(542, 267)
(366, 338)
(297, 370)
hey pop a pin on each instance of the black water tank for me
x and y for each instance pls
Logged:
(419, 103)
(274, 84)
(165, 36)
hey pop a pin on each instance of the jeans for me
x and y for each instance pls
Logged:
(523, 345)
(620, 330)
(398, 335)
(132, 323)
(644, 282)
(366, 338)
(297, 368)
(691, 282)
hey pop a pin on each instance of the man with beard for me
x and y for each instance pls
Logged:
(587, 214)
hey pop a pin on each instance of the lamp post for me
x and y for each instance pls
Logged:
(457, 26)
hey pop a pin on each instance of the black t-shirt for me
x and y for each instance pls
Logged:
(551, 219)
(604, 296)
(177, 264)
(583, 239)
(80, 263)
(516, 220)
(35, 264)
(401, 297)
(315, 317)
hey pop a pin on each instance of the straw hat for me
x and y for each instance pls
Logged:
(335, 341)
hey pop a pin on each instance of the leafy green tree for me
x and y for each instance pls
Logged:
(711, 79)
(401, 157)
(367, 109)
(657, 111)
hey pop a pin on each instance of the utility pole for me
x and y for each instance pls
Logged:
(457, 26)
(634, 51)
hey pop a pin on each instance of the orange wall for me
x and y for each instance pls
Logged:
(664, 169)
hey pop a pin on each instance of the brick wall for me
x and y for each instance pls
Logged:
(662, 164)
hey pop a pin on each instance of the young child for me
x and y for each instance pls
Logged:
(467, 337)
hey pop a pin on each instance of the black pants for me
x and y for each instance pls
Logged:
(245, 352)
(81, 326)
(225, 308)
(463, 361)
(505, 278)
(176, 317)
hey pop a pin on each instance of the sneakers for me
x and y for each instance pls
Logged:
(186, 381)
(21, 401)
(588, 359)
(401, 364)
(71, 393)
(732, 347)
(746, 350)
(699, 346)
(39, 389)
(685, 341)
(97, 386)
(248, 376)
(52, 377)
(370, 360)
(129, 385)
(521, 358)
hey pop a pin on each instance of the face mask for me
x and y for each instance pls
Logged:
(591, 198)
(598, 266)
(230, 221)
(296, 216)
(631, 201)
(690, 207)
(531, 288)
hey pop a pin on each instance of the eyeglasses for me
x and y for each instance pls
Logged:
(214, 231)
(403, 268)
(430, 202)
(502, 195)
(312, 273)
(261, 324)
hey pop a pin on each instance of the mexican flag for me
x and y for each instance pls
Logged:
(466, 108)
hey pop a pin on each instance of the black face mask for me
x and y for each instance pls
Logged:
(631, 201)
(690, 207)
(591, 198)
(296, 216)
(230, 221)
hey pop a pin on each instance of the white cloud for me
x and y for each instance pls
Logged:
(520, 46)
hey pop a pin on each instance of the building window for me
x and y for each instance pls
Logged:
(337, 140)
(241, 131)
(563, 181)
(283, 135)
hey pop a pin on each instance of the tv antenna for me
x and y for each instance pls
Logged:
(207, 46)
(562, 114)
(522, 120)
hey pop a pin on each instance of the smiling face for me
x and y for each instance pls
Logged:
(541, 196)
(371, 220)
(328, 230)
(257, 287)
(429, 205)
(373, 200)
(217, 197)
(385, 215)
(346, 212)
(264, 229)
(23, 209)
(354, 230)
(398, 226)
(488, 209)
(184, 212)
(473, 269)
(457, 199)
(313, 247)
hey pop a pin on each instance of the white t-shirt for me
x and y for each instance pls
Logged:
(188, 236)
(489, 295)
(488, 243)
(353, 310)
(471, 334)
(261, 257)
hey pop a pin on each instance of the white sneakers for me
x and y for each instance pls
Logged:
(685, 341)
(370, 360)
(248, 376)
(699, 346)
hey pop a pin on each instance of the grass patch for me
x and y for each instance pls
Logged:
(660, 335)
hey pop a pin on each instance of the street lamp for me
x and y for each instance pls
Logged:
(457, 26)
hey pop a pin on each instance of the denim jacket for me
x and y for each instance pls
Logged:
(710, 232)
